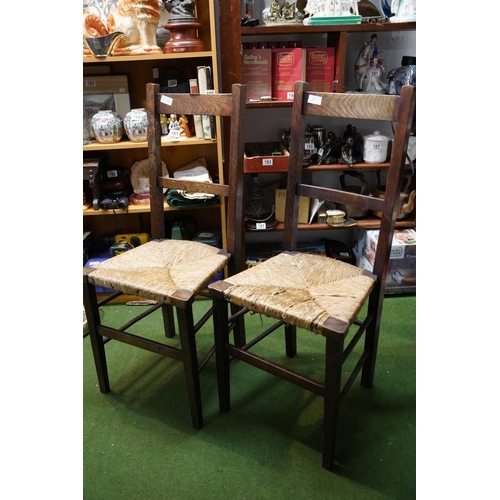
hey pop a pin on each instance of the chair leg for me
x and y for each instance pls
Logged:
(371, 345)
(371, 337)
(239, 328)
(221, 335)
(290, 340)
(190, 362)
(96, 340)
(168, 320)
(333, 374)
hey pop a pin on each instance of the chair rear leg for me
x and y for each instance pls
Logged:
(371, 345)
(239, 328)
(190, 362)
(290, 340)
(168, 320)
(221, 334)
(96, 340)
(333, 375)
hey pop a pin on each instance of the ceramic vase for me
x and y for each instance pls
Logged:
(107, 126)
(136, 125)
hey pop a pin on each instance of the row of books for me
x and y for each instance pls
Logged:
(200, 81)
(272, 73)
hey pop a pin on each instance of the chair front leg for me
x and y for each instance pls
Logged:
(333, 375)
(221, 339)
(190, 362)
(96, 340)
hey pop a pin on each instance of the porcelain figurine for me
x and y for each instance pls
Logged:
(404, 11)
(136, 19)
(362, 63)
(375, 73)
(332, 8)
(289, 13)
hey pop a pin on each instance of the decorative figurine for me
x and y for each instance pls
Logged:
(363, 61)
(183, 26)
(376, 71)
(332, 8)
(288, 13)
(404, 11)
(181, 11)
(137, 20)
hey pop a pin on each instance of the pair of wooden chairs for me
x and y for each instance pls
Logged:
(302, 292)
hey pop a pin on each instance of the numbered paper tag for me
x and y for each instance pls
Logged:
(289, 95)
(175, 133)
(267, 162)
(309, 146)
(260, 225)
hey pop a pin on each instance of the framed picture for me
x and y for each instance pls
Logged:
(101, 92)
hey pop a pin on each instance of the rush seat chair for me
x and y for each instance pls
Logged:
(168, 271)
(315, 294)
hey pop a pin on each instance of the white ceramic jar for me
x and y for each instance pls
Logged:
(375, 147)
(136, 125)
(107, 126)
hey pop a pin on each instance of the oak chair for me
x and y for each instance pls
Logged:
(314, 293)
(173, 272)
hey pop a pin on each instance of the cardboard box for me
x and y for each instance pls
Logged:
(402, 274)
(280, 198)
(265, 157)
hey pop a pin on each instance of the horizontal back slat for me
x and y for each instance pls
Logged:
(362, 106)
(195, 104)
(338, 196)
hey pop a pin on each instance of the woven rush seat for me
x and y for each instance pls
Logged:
(160, 268)
(174, 274)
(303, 290)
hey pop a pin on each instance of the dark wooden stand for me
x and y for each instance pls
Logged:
(183, 38)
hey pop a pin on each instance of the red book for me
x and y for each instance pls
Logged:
(288, 66)
(257, 73)
(320, 68)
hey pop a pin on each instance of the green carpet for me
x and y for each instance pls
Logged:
(138, 442)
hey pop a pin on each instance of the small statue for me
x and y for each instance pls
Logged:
(362, 62)
(404, 11)
(352, 149)
(376, 71)
(181, 11)
(184, 126)
(331, 150)
(136, 19)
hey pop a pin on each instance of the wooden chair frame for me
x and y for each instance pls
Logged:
(398, 109)
(231, 106)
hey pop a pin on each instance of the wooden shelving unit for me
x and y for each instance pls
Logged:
(143, 69)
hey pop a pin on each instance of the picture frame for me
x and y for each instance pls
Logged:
(103, 92)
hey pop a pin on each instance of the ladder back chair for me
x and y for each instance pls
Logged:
(315, 293)
(168, 271)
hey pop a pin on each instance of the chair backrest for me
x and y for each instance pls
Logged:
(397, 109)
(230, 106)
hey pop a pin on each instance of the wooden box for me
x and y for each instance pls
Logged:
(265, 157)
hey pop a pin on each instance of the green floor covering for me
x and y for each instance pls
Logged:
(138, 442)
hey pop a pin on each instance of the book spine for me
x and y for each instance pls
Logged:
(211, 90)
(202, 84)
(198, 125)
